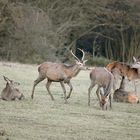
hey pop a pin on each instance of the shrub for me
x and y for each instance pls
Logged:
(98, 61)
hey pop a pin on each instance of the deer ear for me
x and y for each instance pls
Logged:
(134, 59)
(5, 78)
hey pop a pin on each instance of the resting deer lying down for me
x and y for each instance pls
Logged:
(59, 72)
(104, 79)
(10, 92)
(120, 95)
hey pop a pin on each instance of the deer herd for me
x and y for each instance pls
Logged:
(104, 77)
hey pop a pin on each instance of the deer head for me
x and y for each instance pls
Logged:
(10, 83)
(10, 92)
(136, 63)
(104, 100)
(80, 63)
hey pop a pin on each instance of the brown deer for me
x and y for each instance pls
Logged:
(59, 72)
(104, 79)
(125, 70)
(10, 92)
(121, 95)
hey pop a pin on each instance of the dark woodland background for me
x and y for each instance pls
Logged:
(33, 31)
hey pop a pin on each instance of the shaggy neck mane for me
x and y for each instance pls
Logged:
(72, 70)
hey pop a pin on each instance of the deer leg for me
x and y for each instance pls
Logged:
(64, 90)
(71, 88)
(135, 86)
(35, 83)
(48, 88)
(110, 101)
(97, 93)
(89, 92)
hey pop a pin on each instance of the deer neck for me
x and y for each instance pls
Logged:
(7, 89)
(73, 71)
(10, 87)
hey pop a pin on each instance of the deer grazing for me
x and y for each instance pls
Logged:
(104, 79)
(121, 95)
(10, 92)
(59, 72)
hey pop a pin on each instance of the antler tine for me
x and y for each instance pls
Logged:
(74, 56)
(83, 54)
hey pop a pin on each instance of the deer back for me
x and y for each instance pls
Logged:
(58, 71)
(52, 71)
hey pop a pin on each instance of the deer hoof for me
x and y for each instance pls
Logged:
(68, 97)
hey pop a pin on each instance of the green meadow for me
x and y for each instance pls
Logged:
(44, 119)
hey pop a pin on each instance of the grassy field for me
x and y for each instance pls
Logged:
(43, 119)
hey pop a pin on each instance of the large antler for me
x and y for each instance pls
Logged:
(75, 56)
(83, 54)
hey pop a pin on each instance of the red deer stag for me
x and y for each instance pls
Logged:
(59, 72)
(10, 92)
(105, 80)
(121, 95)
